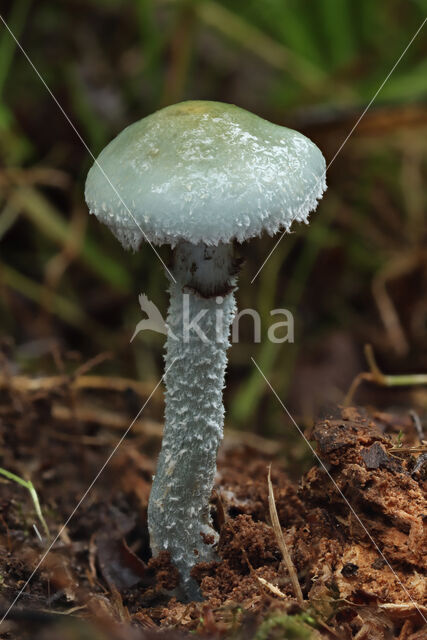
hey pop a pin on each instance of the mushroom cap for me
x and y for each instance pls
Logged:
(207, 172)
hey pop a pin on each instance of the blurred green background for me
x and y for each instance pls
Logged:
(357, 274)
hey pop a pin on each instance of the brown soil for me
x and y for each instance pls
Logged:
(362, 570)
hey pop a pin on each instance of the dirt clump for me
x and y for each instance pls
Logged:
(354, 524)
(167, 575)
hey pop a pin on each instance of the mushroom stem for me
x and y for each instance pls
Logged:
(202, 308)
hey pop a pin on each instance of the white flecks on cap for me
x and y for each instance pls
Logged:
(204, 172)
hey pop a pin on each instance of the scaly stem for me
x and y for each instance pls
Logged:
(201, 311)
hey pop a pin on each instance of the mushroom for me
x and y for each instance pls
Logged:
(199, 176)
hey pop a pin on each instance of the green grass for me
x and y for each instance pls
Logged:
(27, 484)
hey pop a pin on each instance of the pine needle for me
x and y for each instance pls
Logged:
(282, 543)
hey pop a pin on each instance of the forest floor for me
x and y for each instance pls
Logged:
(355, 525)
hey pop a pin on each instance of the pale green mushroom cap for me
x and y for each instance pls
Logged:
(204, 172)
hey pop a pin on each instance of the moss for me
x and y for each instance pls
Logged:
(285, 626)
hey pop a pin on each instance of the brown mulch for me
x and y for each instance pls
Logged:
(362, 569)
